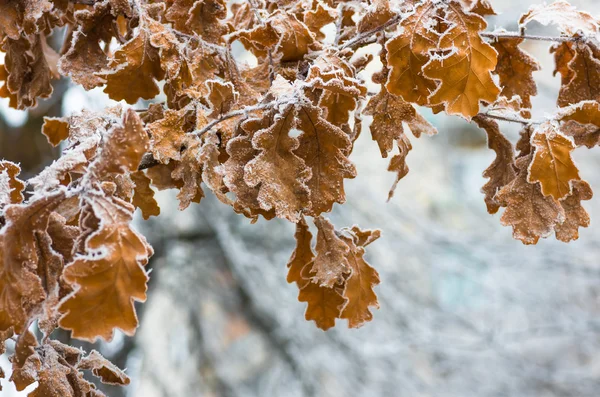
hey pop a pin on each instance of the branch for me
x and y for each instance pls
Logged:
(514, 119)
(366, 35)
(518, 35)
(235, 113)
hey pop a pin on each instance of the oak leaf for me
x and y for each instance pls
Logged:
(20, 287)
(109, 277)
(133, 71)
(221, 96)
(302, 256)
(241, 152)
(331, 263)
(515, 68)
(575, 215)
(531, 214)
(324, 149)
(143, 195)
(317, 17)
(580, 76)
(85, 55)
(502, 170)
(463, 64)
(279, 174)
(204, 17)
(11, 187)
(569, 20)
(359, 286)
(582, 123)
(407, 54)
(324, 304)
(56, 129)
(552, 165)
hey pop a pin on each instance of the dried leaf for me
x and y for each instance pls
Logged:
(463, 66)
(11, 187)
(324, 304)
(515, 68)
(582, 123)
(324, 149)
(407, 54)
(20, 287)
(377, 14)
(302, 255)
(531, 214)
(502, 170)
(56, 129)
(109, 277)
(143, 195)
(279, 174)
(222, 97)
(389, 113)
(581, 76)
(569, 20)
(552, 164)
(359, 286)
(575, 215)
(317, 17)
(331, 264)
(125, 146)
(102, 368)
(133, 71)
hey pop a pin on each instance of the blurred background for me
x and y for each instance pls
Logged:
(465, 309)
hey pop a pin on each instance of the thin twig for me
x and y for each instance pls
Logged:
(364, 36)
(235, 113)
(511, 119)
(518, 35)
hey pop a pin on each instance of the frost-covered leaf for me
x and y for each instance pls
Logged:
(56, 129)
(575, 215)
(21, 288)
(109, 277)
(359, 286)
(407, 54)
(143, 195)
(552, 165)
(463, 64)
(564, 15)
(277, 171)
(133, 70)
(11, 187)
(502, 170)
(331, 264)
(515, 68)
(582, 123)
(324, 149)
(579, 65)
(531, 214)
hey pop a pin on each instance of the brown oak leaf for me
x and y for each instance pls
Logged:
(109, 277)
(143, 195)
(575, 215)
(582, 123)
(331, 263)
(359, 286)
(552, 165)
(20, 287)
(302, 256)
(11, 187)
(279, 174)
(580, 76)
(502, 170)
(531, 214)
(407, 54)
(133, 71)
(56, 129)
(324, 149)
(463, 64)
(515, 68)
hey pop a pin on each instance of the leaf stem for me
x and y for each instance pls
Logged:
(518, 35)
(511, 119)
(235, 113)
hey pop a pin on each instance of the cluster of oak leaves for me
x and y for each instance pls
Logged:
(271, 140)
